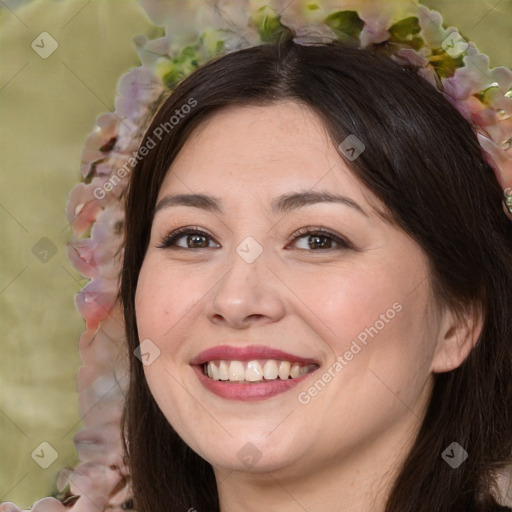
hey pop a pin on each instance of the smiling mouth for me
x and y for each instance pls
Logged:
(255, 371)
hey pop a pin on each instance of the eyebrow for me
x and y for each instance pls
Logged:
(281, 204)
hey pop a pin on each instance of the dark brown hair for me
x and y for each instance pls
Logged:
(423, 160)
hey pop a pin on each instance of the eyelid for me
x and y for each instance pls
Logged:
(342, 242)
(168, 241)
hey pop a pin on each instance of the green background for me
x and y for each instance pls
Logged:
(47, 108)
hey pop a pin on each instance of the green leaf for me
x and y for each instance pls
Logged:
(211, 43)
(489, 94)
(171, 77)
(403, 30)
(417, 43)
(189, 51)
(345, 23)
(220, 46)
(444, 64)
(270, 30)
(268, 24)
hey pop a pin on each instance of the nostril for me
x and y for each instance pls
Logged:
(256, 316)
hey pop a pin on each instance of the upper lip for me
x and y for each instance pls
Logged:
(248, 353)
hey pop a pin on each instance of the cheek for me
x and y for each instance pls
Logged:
(359, 301)
(382, 344)
(164, 303)
(377, 320)
(164, 300)
(396, 345)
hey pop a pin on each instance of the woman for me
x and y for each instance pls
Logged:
(317, 277)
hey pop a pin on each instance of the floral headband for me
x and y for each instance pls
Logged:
(191, 33)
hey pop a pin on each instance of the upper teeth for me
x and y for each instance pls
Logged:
(256, 370)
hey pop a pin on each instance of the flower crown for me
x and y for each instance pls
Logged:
(191, 33)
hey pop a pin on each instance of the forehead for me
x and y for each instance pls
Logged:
(256, 150)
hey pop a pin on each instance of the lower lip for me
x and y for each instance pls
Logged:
(247, 392)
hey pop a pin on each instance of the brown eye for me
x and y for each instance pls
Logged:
(319, 239)
(195, 241)
(187, 238)
(320, 242)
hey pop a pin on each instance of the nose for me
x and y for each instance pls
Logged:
(247, 294)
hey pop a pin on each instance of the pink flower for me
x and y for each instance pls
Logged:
(99, 142)
(7, 506)
(463, 83)
(123, 496)
(101, 386)
(476, 76)
(84, 205)
(96, 299)
(98, 350)
(431, 23)
(409, 56)
(495, 97)
(501, 132)
(48, 505)
(101, 444)
(313, 34)
(375, 31)
(499, 159)
(100, 255)
(113, 326)
(469, 108)
(429, 75)
(137, 89)
(94, 483)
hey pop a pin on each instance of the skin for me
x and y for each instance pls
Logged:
(342, 449)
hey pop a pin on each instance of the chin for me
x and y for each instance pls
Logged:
(255, 454)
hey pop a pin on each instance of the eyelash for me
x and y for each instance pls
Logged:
(169, 240)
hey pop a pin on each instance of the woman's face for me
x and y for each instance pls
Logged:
(344, 308)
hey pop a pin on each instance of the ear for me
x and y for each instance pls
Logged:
(457, 335)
